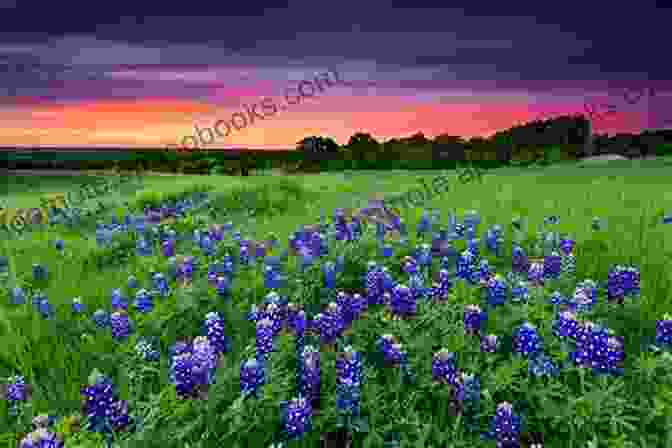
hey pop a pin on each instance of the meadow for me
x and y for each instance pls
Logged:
(412, 395)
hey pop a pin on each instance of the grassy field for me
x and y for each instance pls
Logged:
(574, 409)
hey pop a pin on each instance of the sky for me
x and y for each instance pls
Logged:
(135, 75)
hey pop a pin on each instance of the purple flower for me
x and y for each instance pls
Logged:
(565, 326)
(444, 366)
(474, 318)
(309, 379)
(120, 325)
(403, 302)
(496, 290)
(101, 318)
(39, 272)
(552, 266)
(526, 340)
(251, 377)
(17, 296)
(489, 343)
(664, 331)
(118, 300)
(296, 417)
(348, 381)
(520, 263)
(42, 438)
(505, 427)
(143, 301)
(441, 288)
(214, 331)
(264, 338)
(16, 390)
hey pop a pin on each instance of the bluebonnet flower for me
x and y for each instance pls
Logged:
(664, 331)
(42, 438)
(444, 367)
(373, 283)
(556, 298)
(567, 246)
(526, 340)
(348, 381)
(409, 265)
(251, 377)
(143, 302)
(424, 225)
(39, 272)
(99, 405)
(535, 274)
(520, 292)
(223, 287)
(309, 379)
(132, 282)
(403, 303)
(329, 271)
(519, 261)
(551, 220)
(392, 351)
(168, 248)
(552, 266)
(101, 318)
(146, 350)
(205, 358)
(264, 338)
(181, 374)
(585, 296)
(542, 365)
(441, 288)
(77, 306)
(296, 417)
(466, 265)
(120, 325)
(15, 391)
(214, 330)
(505, 427)
(622, 281)
(118, 300)
(496, 290)
(329, 324)
(485, 271)
(143, 248)
(160, 284)
(17, 296)
(45, 308)
(489, 343)
(474, 318)
(595, 348)
(346, 305)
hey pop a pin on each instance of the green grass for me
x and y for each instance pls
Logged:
(571, 410)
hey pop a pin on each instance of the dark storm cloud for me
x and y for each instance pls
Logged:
(518, 45)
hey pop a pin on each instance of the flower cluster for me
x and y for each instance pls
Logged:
(505, 427)
(349, 375)
(597, 349)
(103, 410)
(623, 281)
(309, 373)
(526, 340)
(403, 302)
(441, 287)
(296, 417)
(664, 331)
(392, 351)
(251, 377)
(444, 368)
(474, 317)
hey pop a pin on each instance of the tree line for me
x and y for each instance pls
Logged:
(540, 141)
